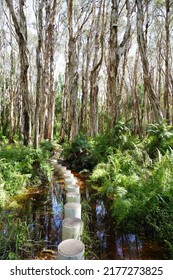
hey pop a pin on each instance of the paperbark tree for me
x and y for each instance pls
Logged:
(70, 93)
(72, 79)
(86, 58)
(142, 43)
(50, 42)
(94, 75)
(39, 65)
(11, 92)
(20, 25)
(116, 51)
(47, 97)
(167, 63)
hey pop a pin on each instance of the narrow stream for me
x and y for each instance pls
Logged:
(43, 211)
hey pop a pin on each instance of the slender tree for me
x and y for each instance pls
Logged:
(97, 62)
(142, 43)
(20, 24)
(167, 64)
(116, 51)
(39, 64)
(70, 93)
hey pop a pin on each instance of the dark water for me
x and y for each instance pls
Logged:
(44, 215)
(122, 246)
(42, 209)
(43, 212)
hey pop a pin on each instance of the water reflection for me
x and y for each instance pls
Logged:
(44, 214)
(115, 245)
(128, 247)
(101, 226)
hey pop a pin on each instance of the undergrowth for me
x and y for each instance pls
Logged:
(21, 166)
(134, 175)
(88, 238)
(141, 196)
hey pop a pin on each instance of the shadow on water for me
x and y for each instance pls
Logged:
(115, 245)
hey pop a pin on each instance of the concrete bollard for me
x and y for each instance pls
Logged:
(63, 168)
(71, 249)
(68, 171)
(72, 228)
(68, 175)
(57, 167)
(72, 188)
(70, 181)
(61, 171)
(72, 210)
(53, 161)
(73, 197)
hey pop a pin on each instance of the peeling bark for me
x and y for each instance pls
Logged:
(21, 32)
(142, 43)
(116, 51)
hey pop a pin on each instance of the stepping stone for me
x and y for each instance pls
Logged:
(72, 188)
(70, 181)
(72, 210)
(72, 228)
(73, 197)
(71, 249)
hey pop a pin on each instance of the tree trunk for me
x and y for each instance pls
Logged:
(64, 109)
(142, 43)
(116, 51)
(167, 49)
(72, 77)
(21, 32)
(39, 73)
(85, 81)
(94, 76)
(51, 95)
(45, 78)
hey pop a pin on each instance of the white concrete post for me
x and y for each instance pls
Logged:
(72, 228)
(70, 181)
(72, 210)
(73, 197)
(68, 175)
(71, 249)
(72, 188)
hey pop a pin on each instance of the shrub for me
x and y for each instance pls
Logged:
(14, 237)
(119, 173)
(113, 139)
(140, 196)
(159, 138)
(78, 153)
(47, 145)
(20, 166)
